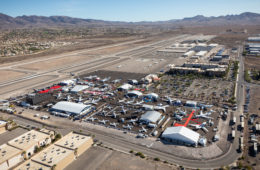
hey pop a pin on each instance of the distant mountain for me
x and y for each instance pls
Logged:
(8, 22)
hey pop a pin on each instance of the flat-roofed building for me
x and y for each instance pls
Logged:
(10, 156)
(79, 143)
(29, 141)
(54, 157)
(3, 126)
(31, 165)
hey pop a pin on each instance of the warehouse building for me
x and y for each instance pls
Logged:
(71, 108)
(181, 135)
(28, 141)
(201, 53)
(253, 39)
(10, 156)
(54, 157)
(31, 165)
(3, 126)
(78, 88)
(150, 117)
(79, 143)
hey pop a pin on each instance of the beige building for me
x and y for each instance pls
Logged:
(54, 157)
(10, 156)
(31, 165)
(29, 141)
(3, 126)
(79, 143)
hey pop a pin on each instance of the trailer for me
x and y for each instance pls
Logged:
(234, 120)
(255, 148)
(233, 134)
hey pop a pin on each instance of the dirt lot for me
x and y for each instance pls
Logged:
(252, 62)
(6, 75)
(100, 159)
(254, 105)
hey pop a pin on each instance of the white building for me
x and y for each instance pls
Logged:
(181, 135)
(188, 54)
(201, 53)
(150, 117)
(70, 107)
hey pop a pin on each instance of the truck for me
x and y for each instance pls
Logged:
(233, 134)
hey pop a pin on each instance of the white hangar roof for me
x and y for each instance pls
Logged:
(181, 133)
(76, 108)
(151, 116)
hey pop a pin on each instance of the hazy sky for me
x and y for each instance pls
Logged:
(128, 10)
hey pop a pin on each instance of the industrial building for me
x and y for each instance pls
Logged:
(10, 156)
(200, 68)
(71, 108)
(201, 53)
(54, 157)
(29, 141)
(150, 117)
(31, 165)
(181, 135)
(79, 143)
(253, 48)
(3, 126)
(253, 39)
(189, 54)
(78, 88)
(60, 154)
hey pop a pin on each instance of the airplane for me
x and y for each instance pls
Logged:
(138, 103)
(201, 126)
(183, 113)
(169, 100)
(92, 119)
(80, 99)
(163, 108)
(132, 120)
(58, 95)
(205, 116)
(68, 98)
(123, 111)
(103, 121)
(129, 127)
(114, 115)
(143, 130)
(116, 81)
(113, 124)
(105, 79)
(178, 117)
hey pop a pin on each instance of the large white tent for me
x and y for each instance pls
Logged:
(70, 107)
(181, 135)
(150, 117)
